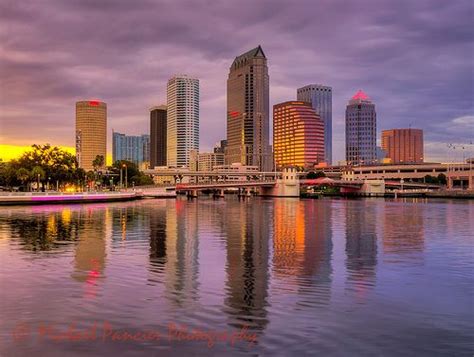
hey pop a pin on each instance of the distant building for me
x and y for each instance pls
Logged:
(382, 156)
(91, 132)
(131, 148)
(361, 131)
(220, 147)
(298, 135)
(182, 120)
(228, 170)
(403, 146)
(208, 160)
(320, 98)
(193, 160)
(248, 110)
(158, 136)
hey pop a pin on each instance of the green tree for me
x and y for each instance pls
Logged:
(314, 175)
(98, 162)
(442, 179)
(38, 174)
(23, 175)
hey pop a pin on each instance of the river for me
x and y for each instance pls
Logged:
(271, 277)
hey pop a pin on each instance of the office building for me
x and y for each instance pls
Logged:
(131, 148)
(248, 111)
(298, 135)
(320, 98)
(403, 146)
(208, 160)
(91, 132)
(361, 131)
(182, 120)
(220, 146)
(158, 136)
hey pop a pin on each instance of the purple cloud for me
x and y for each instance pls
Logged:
(414, 59)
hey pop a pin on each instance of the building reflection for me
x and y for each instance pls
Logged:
(404, 230)
(247, 263)
(302, 247)
(361, 245)
(90, 251)
(174, 249)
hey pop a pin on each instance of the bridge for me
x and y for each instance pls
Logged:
(281, 184)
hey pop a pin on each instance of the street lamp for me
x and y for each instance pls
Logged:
(126, 174)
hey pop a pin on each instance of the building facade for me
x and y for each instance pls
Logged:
(361, 131)
(248, 111)
(131, 148)
(403, 146)
(91, 132)
(298, 135)
(208, 160)
(320, 98)
(220, 146)
(158, 136)
(182, 120)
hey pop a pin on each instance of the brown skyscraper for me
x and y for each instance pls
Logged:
(248, 111)
(158, 127)
(91, 132)
(403, 146)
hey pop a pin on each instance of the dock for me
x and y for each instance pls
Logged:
(37, 198)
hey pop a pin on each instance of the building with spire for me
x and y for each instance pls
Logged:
(248, 111)
(361, 131)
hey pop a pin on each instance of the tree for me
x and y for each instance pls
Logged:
(442, 179)
(314, 175)
(38, 173)
(98, 162)
(23, 175)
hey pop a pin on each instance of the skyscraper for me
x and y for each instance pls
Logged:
(91, 132)
(182, 120)
(361, 131)
(403, 146)
(248, 111)
(298, 135)
(320, 98)
(130, 147)
(158, 135)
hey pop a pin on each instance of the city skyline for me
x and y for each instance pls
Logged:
(427, 53)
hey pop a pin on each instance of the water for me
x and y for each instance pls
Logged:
(272, 277)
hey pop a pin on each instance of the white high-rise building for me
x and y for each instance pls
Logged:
(182, 119)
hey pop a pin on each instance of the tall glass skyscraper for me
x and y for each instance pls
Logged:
(248, 111)
(320, 98)
(182, 120)
(361, 131)
(131, 148)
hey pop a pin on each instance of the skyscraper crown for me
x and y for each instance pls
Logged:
(360, 97)
(244, 58)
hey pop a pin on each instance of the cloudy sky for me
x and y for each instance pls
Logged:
(413, 58)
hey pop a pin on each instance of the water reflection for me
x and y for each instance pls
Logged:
(361, 245)
(302, 247)
(46, 230)
(247, 263)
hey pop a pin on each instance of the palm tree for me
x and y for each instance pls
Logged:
(22, 175)
(38, 173)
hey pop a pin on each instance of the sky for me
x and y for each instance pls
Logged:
(413, 58)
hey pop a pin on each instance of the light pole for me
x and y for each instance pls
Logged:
(126, 175)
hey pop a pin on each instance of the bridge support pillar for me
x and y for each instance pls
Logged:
(287, 186)
(192, 194)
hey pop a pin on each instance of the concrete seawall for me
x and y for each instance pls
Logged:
(37, 198)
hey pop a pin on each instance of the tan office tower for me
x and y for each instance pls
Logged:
(403, 146)
(248, 111)
(91, 132)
